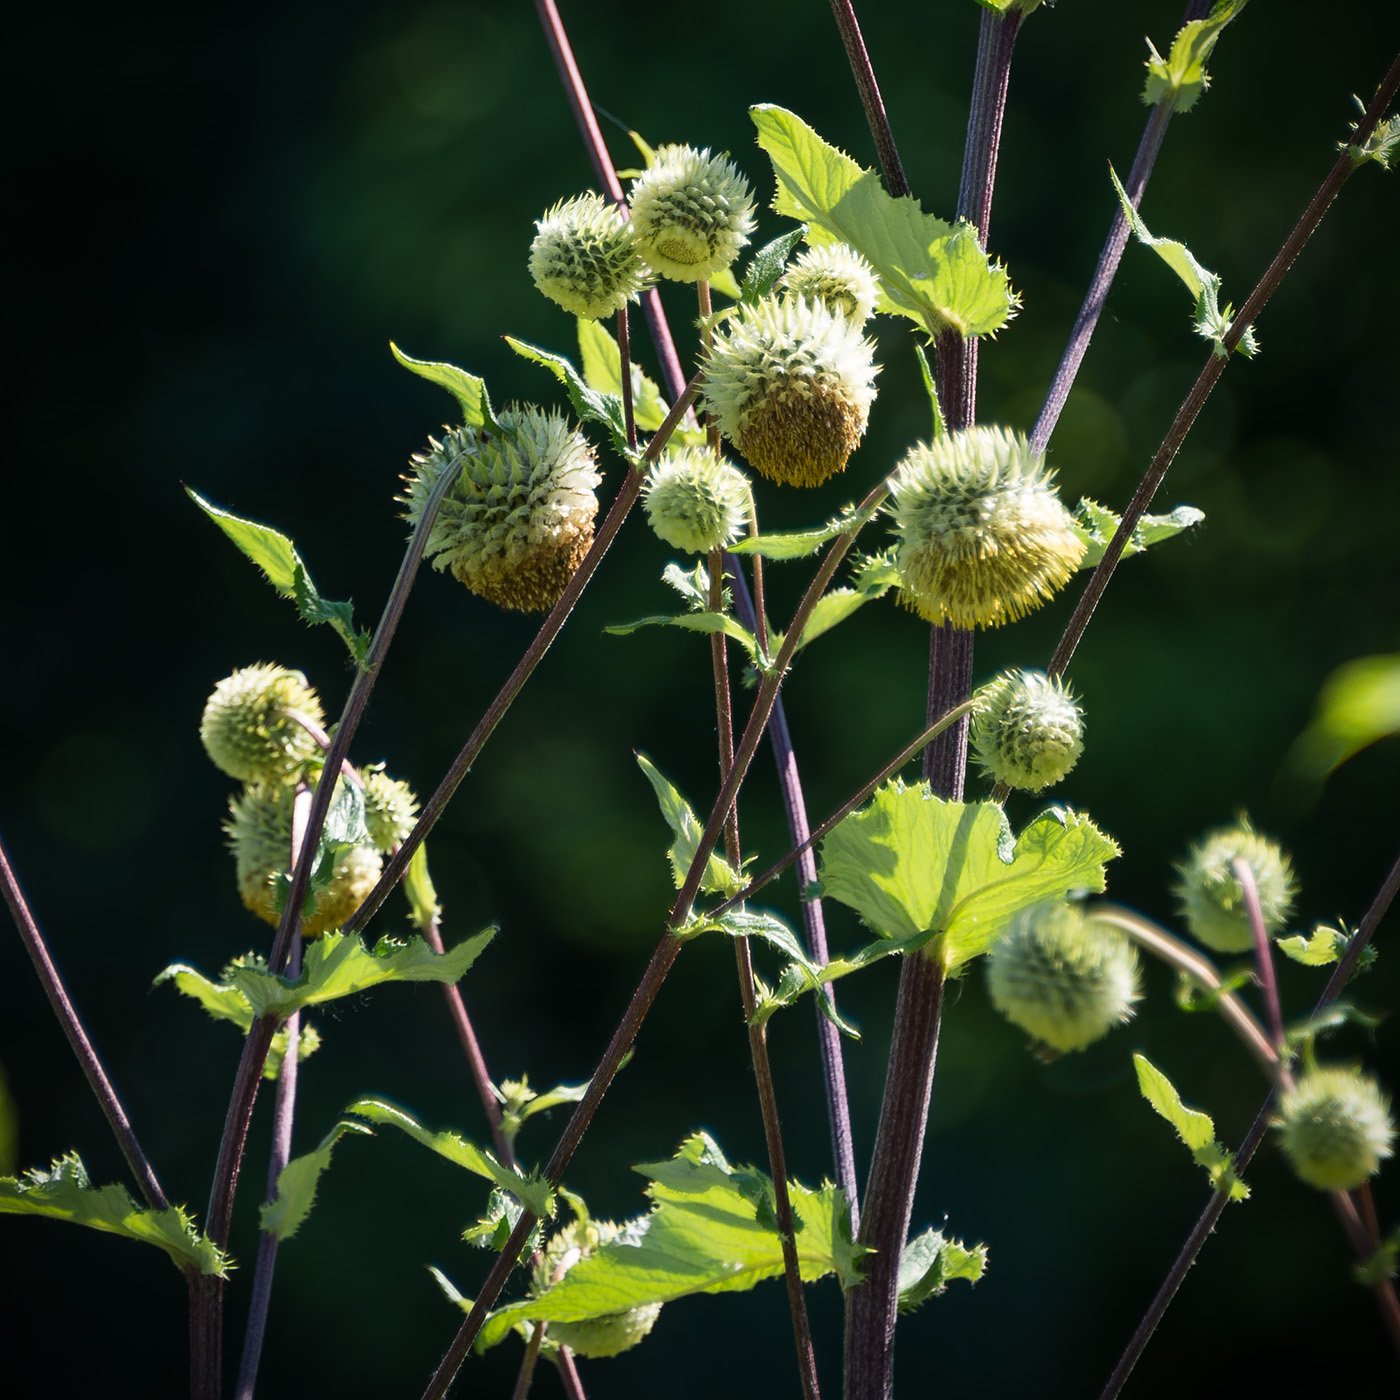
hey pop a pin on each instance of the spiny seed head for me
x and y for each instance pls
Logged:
(1336, 1128)
(520, 517)
(691, 213)
(584, 257)
(1066, 978)
(1212, 898)
(259, 828)
(695, 501)
(791, 383)
(391, 808)
(1027, 731)
(838, 277)
(246, 728)
(984, 536)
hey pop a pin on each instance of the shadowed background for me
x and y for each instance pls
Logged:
(219, 222)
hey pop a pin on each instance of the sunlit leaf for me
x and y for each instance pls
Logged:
(930, 1262)
(468, 389)
(707, 622)
(769, 264)
(1182, 74)
(720, 877)
(1096, 526)
(1359, 704)
(601, 362)
(590, 405)
(1194, 1128)
(297, 1183)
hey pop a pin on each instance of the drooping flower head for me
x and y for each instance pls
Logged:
(838, 277)
(691, 213)
(1027, 731)
(519, 519)
(695, 501)
(984, 538)
(791, 383)
(1336, 1128)
(584, 256)
(1212, 898)
(247, 725)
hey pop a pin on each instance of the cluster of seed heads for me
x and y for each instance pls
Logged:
(519, 519)
(1212, 898)
(1027, 731)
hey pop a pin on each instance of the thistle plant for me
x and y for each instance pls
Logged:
(736, 1154)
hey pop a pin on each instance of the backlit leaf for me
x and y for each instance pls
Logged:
(468, 389)
(297, 1182)
(1182, 74)
(1194, 1128)
(720, 877)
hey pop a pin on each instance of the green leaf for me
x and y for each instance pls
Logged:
(297, 1182)
(1194, 1128)
(1210, 321)
(720, 877)
(468, 389)
(1359, 704)
(520, 1102)
(1324, 946)
(601, 361)
(710, 1231)
(940, 426)
(419, 888)
(916, 867)
(64, 1192)
(930, 1262)
(533, 1192)
(707, 622)
(1380, 146)
(335, 965)
(805, 542)
(282, 566)
(933, 272)
(1182, 74)
(308, 1043)
(590, 405)
(874, 578)
(769, 264)
(1096, 526)
(694, 586)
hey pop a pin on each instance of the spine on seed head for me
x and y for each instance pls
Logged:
(584, 257)
(1027, 731)
(691, 213)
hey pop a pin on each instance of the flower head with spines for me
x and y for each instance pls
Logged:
(984, 537)
(1027, 731)
(584, 257)
(519, 519)
(836, 276)
(249, 727)
(1336, 1128)
(696, 501)
(691, 213)
(791, 383)
(1212, 898)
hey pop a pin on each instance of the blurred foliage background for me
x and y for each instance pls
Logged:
(219, 220)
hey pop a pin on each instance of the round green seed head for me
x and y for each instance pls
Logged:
(259, 828)
(584, 257)
(607, 1336)
(246, 727)
(1027, 731)
(1212, 899)
(519, 519)
(791, 384)
(1064, 978)
(696, 502)
(838, 277)
(1335, 1128)
(391, 809)
(984, 538)
(691, 213)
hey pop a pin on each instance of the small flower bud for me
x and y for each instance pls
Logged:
(696, 502)
(984, 537)
(691, 213)
(1027, 731)
(1065, 978)
(791, 384)
(837, 277)
(1211, 896)
(391, 809)
(520, 517)
(259, 828)
(1336, 1128)
(585, 258)
(246, 727)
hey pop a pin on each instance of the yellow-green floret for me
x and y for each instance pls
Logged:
(838, 277)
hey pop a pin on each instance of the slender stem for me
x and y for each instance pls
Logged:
(1346, 965)
(568, 1374)
(534, 654)
(88, 1059)
(896, 182)
(995, 41)
(1214, 368)
(1263, 953)
(758, 1035)
(527, 1364)
(624, 348)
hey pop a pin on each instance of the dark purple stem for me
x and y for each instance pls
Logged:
(1263, 951)
(896, 182)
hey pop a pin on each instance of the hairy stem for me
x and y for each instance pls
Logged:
(896, 182)
(1214, 368)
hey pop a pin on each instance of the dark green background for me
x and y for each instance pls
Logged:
(219, 221)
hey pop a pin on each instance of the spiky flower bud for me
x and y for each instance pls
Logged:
(247, 729)
(519, 519)
(984, 536)
(1336, 1128)
(1066, 978)
(691, 213)
(836, 276)
(1027, 731)
(791, 384)
(391, 809)
(584, 257)
(259, 828)
(1212, 898)
(694, 501)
